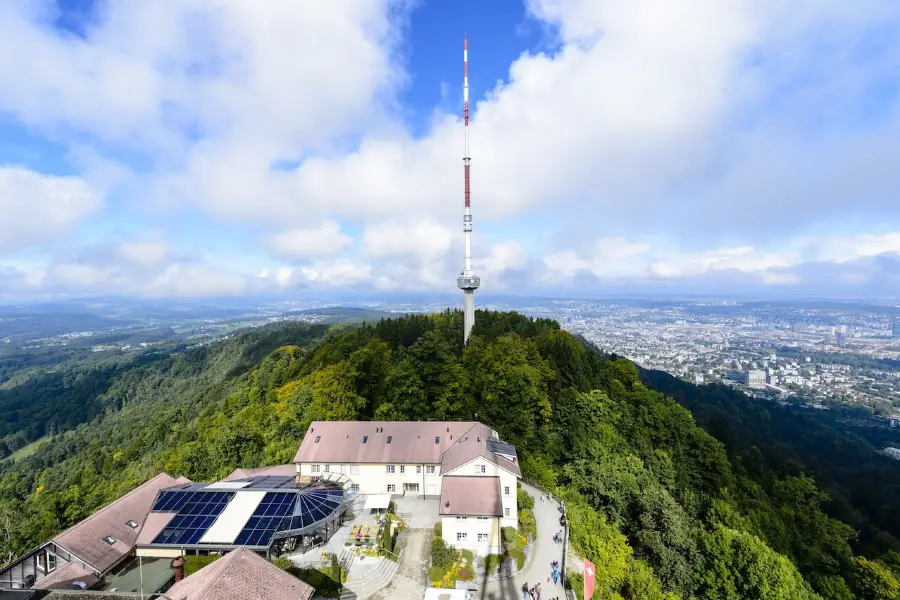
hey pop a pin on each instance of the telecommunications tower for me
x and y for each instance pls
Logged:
(467, 281)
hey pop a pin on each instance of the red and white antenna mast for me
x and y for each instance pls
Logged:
(468, 282)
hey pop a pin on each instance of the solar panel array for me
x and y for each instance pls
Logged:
(197, 512)
(171, 501)
(315, 505)
(272, 514)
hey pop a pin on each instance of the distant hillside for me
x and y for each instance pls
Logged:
(662, 508)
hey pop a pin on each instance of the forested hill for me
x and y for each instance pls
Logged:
(660, 506)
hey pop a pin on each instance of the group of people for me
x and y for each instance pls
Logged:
(534, 593)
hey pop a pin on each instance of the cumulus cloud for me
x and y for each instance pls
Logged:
(36, 208)
(299, 244)
(662, 140)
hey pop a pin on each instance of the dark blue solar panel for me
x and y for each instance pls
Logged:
(196, 514)
(171, 501)
(266, 519)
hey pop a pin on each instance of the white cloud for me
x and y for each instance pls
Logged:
(664, 140)
(301, 244)
(143, 253)
(36, 208)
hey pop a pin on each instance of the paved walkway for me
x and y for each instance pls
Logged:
(546, 515)
(409, 581)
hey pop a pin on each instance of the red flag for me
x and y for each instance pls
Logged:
(589, 574)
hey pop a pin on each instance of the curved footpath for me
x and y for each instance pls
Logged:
(546, 515)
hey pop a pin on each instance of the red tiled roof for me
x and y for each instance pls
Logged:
(277, 470)
(240, 575)
(472, 445)
(412, 442)
(85, 539)
(471, 496)
(63, 578)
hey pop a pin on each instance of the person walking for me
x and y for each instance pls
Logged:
(525, 591)
(537, 589)
(555, 576)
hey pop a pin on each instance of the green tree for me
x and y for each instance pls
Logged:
(874, 581)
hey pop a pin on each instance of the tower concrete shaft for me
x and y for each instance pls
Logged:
(467, 281)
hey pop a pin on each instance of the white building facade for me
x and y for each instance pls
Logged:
(464, 465)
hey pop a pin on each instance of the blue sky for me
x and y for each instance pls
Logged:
(219, 147)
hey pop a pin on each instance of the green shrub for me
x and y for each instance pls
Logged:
(524, 499)
(283, 562)
(527, 524)
(436, 573)
(492, 561)
(391, 509)
(519, 555)
(438, 529)
(335, 570)
(442, 555)
(192, 564)
(469, 556)
(466, 574)
(509, 535)
(324, 584)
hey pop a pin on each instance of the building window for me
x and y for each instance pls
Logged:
(460, 518)
(354, 487)
(506, 490)
(402, 469)
(390, 437)
(506, 511)
(482, 518)
(389, 469)
(437, 439)
(461, 536)
(328, 468)
(429, 469)
(365, 439)
(392, 488)
(354, 469)
(314, 468)
(482, 537)
(480, 469)
(109, 540)
(318, 437)
(418, 469)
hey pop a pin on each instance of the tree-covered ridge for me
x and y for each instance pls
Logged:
(654, 501)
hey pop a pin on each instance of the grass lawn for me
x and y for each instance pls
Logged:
(28, 449)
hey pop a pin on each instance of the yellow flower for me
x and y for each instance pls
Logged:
(40, 489)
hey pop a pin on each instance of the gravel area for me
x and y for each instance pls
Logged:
(409, 581)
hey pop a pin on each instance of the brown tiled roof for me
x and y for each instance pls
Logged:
(63, 578)
(240, 575)
(277, 470)
(472, 445)
(471, 496)
(85, 539)
(412, 442)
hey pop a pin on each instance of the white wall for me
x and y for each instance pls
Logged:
(507, 483)
(472, 526)
(374, 478)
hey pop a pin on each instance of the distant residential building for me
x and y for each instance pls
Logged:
(895, 330)
(755, 378)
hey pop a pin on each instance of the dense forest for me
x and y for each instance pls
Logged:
(752, 509)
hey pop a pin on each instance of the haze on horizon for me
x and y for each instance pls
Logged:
(211, 148)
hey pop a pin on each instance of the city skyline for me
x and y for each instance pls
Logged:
(205, 149)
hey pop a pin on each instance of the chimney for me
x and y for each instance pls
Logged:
(178, 565)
